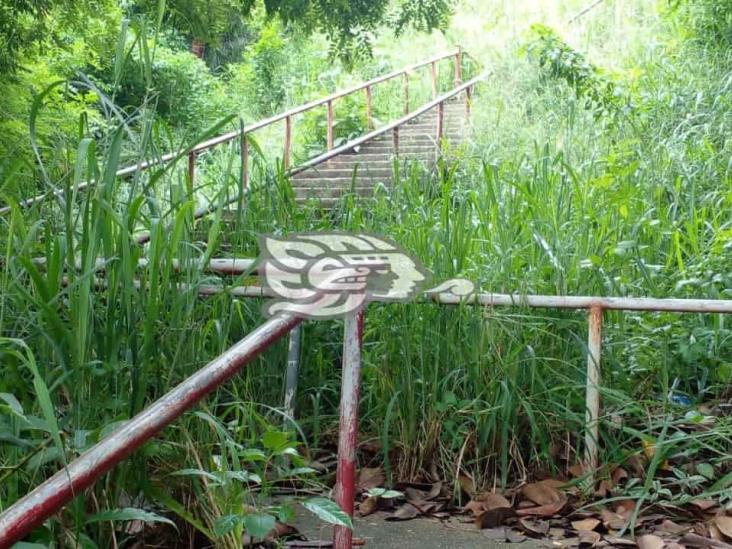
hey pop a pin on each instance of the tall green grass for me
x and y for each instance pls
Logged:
(544, 199)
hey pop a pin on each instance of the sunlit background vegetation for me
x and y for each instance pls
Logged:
(598, 164)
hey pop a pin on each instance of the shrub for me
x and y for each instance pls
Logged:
(186, 94)
(559, 60)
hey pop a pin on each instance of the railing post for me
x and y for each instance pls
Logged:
(406, 93)
(459, 66)
(345, 486)
(330, 125)
(288, 142)
(395, 140)
(369, 109)
(191, 170)
(244, 163)
(592, 393)
(293, 368)
(434, 79)
(468, 100)
(440, 124)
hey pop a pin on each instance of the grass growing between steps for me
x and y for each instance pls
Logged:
(549, 199)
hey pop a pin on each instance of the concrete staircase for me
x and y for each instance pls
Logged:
(371, 164)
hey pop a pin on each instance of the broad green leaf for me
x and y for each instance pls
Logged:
(253, 454)
(275, 441)
(258, 525)
(128, 513)
(225, 524)
(328, 511)
(12, 402)
(705, 470)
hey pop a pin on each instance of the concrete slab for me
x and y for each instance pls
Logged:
(420, 533)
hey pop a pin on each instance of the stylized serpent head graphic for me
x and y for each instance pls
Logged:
(325, 275)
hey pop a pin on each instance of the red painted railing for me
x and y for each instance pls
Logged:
(287, 117)
(30, 511)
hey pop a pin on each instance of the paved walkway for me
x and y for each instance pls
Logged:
(415, 534)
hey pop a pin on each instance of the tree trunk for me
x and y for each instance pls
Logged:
(197, 48)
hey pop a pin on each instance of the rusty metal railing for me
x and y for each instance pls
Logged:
(30, 511)
(287, 117)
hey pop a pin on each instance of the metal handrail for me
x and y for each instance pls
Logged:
(389, 127)
(31, 510)
(35, 507)
(438, 103)
(286, 116)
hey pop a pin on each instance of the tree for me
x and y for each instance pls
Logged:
(28, 24)
(349, 24)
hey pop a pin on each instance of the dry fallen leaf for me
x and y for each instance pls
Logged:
(475, 507)
(589, 538)
(636, 464)
(619, 542)
(494, 517)
(695, 540)
(613, 521)
(541, 493)
(405, 512)
(577, 470)
(715, 533)
(670, 527)
(619, 475)
(625, 507)
(586, 524)
(724, 524)
(491, 500)
(703, 504)
(467, 484)
(544, 510)
(536, 528)
(649, 541)
(368, 506)
(557, 533)
(604, 488)
(370, 477)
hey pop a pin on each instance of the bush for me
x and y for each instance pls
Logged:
(600, 94)
(711, 20)
(185, 92)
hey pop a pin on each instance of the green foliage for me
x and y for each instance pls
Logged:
(266, 69)
(350, 122)
(711, 20)
(30, 27)
(183, 90)
(559, 60)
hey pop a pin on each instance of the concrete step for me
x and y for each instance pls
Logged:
(366, 172)
(318, 185)
(331, 193)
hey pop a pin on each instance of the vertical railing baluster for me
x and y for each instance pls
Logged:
(244, 164)
(288, 143)
(459, 66)
(293, 369)
(191, 170)
(468, 100)
(369, 109)
(440, 124)
(406, 93)
(330, 125)
(345, 486)
(395, 140)
(592, 393)
(434, 79)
